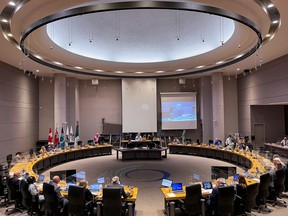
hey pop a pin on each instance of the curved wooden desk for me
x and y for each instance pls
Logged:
(40, 164)
(277, 149)
(247, 160)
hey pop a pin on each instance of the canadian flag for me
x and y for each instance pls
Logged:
(50, 137)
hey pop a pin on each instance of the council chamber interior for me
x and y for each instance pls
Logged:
(179, 103)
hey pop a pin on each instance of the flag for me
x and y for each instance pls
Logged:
(67, 136)
(71, 134)
(76, 135)
(50, 137)
(62, 139)
(56, 137)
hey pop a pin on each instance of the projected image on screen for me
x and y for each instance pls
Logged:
(179, 110)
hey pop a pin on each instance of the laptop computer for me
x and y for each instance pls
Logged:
(235, 177)
(94, 188)
(207, 186)
(101, 180)
(166, 183)
(41, 178)
(177, 188)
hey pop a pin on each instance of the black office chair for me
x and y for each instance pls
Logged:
(3, 191)
(51, 205)
(263, 192)
(77, 204)
(250, 201)
(225, 202)
(279, 188)
(112, 202)
(9, 159)
(13, 196)
(193, 203)
(27, 202)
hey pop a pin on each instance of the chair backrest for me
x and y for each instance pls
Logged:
(193, 199)
(225, 202)
(10, 189)
(76, 205)
(112, 202)
(279, 182)
(265, 180)
(26, 196)
(51, 201)
(250, 200)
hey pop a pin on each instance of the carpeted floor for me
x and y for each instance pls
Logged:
(147, 176)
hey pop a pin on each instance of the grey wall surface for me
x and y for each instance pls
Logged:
(19, 110)
(266, 86)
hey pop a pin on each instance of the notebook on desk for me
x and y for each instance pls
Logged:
(177, 188)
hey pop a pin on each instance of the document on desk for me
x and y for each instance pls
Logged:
(171, 195)
(206, 190)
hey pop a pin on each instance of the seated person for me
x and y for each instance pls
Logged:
(62, 201)
(229, 143)
(241, 191)
(138, 137)
(212, 200)
(15, 183)
(217, 142)
(96, 138)
(115, 182)
(36, 197)
(88, 196)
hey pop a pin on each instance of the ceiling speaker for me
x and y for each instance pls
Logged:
(95, 81)
(182, 81)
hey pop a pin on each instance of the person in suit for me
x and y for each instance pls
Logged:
(88, 196)
(15, 180)
(138, 137)
(115, 182)
(212, 200)
(62, 201)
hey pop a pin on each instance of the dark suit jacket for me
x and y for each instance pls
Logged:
(123, 193)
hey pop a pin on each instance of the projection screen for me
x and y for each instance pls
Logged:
(178, 110)
(139, 105)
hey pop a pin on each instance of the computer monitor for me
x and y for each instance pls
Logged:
(166, 183)
(222, 171)
(101, 180)
(26, 175)
(235, 177)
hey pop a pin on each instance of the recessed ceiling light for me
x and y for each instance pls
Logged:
(37, 71)
(119, 72)
(159, 71)
(98, 70)
(270, 5)
(139, 72)
(268, 35)
(180, 69)
(201, 66)
(220, 62)
(77, 67)
(10, 35)
(238, 69)
(275, 21)
(12, 3)
(58, 63)
(39, 57)
(4, 20)
(239, 56)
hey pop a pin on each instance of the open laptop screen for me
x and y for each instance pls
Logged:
(176, 186)
(41, 178)
(95, 187)
(166, 183)
(207, 185)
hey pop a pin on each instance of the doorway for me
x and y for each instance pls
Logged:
(259, 132)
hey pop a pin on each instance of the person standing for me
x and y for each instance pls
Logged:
(284, 142)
